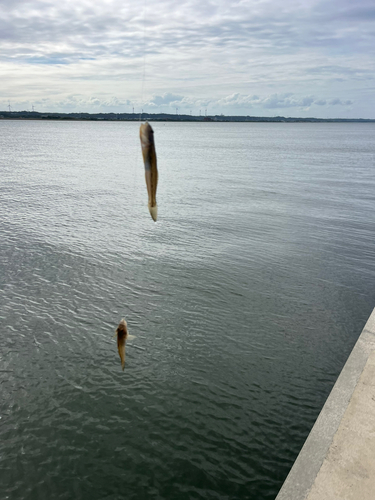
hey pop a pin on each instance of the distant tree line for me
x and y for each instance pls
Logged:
(35, 115)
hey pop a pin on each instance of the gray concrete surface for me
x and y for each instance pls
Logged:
(348, 471)
(328, 457)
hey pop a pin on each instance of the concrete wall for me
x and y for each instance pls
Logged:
(327, 467)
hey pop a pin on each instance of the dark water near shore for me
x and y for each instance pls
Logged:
(246, 297)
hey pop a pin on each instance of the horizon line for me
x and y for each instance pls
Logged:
(177, 117)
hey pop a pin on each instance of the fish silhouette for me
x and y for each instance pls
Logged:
(146, 135)
(122, 337)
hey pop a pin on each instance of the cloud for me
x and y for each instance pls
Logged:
(339, 102)
(165, 99)
(276, 101)
(207, 53)
(167, 103)
(72, 30)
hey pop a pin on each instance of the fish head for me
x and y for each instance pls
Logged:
(122, 329)
(146, 134)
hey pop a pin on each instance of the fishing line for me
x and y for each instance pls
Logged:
(138, 161)
(144, 57)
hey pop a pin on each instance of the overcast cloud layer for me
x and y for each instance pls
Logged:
(247, 57)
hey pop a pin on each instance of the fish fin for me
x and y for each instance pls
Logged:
(130, 337)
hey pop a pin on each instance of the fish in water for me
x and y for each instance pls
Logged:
(122, 337)
(151, 171)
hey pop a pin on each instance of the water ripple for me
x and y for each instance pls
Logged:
(245, 300)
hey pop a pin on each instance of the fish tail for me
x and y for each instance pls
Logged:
(121, 351)
(153, 211)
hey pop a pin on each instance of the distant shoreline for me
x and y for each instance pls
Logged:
(164, 117)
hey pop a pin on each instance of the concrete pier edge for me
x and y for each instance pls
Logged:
(302, 476)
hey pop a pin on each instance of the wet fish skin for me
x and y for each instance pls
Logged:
(146, 135)
(122, 335)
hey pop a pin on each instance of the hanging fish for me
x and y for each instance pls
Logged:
(122, 337)
(151, 171)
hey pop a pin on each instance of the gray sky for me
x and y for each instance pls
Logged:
(247, 57)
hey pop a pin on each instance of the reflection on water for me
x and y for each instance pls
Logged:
(247, 297)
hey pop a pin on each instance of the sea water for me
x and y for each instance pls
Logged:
(246, 298)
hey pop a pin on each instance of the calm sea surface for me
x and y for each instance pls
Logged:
(245, 298)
